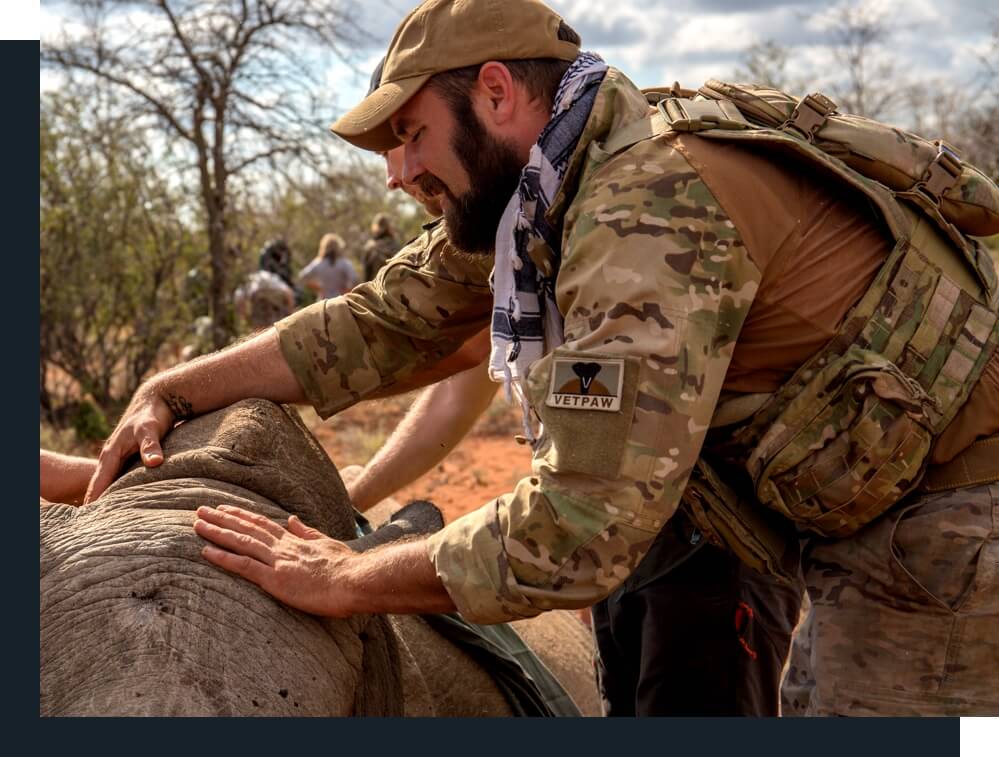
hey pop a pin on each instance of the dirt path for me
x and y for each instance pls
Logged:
(480, 468)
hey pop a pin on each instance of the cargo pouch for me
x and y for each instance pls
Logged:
(762, 540)
(850, 445)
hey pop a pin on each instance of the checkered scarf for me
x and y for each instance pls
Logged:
(526, 322)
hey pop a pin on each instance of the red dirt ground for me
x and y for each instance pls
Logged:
(487, 463)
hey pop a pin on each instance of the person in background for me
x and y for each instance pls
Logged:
(380, 247)
(329, 274)
(275, 257)
(267, 294)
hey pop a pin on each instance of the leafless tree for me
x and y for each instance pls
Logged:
(232, 83)
(976, 131)
(872, 84)
(766, 62)
(864, 80)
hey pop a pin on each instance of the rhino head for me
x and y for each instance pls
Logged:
(135, 622)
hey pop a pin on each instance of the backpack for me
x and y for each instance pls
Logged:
(849, 434)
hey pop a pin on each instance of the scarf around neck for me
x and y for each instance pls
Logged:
(526, 322)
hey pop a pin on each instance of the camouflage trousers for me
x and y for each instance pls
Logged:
(905, 613)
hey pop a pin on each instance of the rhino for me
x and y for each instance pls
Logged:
(134, 621)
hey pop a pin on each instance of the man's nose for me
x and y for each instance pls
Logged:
(412, 165)
(392, 181)
(393, 168)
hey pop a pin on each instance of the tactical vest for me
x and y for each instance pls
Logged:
(849, 434)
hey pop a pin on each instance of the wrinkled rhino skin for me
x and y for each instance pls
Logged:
(565, 646)
(135, 622)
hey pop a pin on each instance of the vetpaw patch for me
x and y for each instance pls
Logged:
(586, 384)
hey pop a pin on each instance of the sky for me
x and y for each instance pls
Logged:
(656, 43)
(690, 41)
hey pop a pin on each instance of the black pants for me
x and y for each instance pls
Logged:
(693, 631)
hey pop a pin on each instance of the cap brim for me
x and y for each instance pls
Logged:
(367, 124)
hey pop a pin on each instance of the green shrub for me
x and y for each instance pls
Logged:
(90, 423)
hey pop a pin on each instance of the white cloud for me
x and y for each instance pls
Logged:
(51, 23)
(49, 80)
(704, 33)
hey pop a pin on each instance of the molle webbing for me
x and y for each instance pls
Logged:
(849, 433)
(916, 317)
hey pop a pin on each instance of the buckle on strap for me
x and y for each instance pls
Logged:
(682, 114)
(810, 115)
(654, 94)
(941, 174)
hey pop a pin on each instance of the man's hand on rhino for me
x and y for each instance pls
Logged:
(145, 422)
(297, 565)
(306, 569)
(252, 368)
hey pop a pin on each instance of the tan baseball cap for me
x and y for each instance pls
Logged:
(440, 35)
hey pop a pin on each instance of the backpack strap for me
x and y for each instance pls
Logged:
(637, 131)
(678, 114)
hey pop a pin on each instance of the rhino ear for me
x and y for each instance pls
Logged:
(418, 517)
(423, 517)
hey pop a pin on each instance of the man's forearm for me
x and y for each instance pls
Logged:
(437, 422)
(396, 578)
(63, 478)
(253, 368)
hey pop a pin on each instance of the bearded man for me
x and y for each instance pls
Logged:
(692, 631)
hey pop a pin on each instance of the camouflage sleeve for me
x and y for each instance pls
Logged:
(655, 285)
(419, 308)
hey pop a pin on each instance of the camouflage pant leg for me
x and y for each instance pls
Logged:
(905, 617)
(796, 688)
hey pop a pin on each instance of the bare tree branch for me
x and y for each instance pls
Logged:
(209, 70)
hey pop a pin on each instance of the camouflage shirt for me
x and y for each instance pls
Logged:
(420, 307)
(654, 286)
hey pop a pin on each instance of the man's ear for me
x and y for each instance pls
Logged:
(497, 93)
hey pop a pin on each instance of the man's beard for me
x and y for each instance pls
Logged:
(493, 170)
